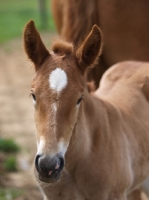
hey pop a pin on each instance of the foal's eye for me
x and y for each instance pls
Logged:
(79, 100)
(33, 96)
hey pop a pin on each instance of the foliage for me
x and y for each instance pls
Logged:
(10, 194)
(16, 13)
(8, 145)
(10, 163)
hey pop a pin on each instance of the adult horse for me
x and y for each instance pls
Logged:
(90, 146)
(125, 25)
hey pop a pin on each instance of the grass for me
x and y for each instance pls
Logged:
(14, 14)
(10, 164)
(8, 146)
(10, 194)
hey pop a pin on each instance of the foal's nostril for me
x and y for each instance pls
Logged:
(49, 168)
(61, 163)
(37, 162)
(56, 166)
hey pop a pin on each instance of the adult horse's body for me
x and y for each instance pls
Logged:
(125, 25)
(90, 146)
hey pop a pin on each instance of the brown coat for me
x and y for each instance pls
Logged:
(125, 26)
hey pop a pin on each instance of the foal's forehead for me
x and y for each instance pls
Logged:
(58, 79)
(56, 74)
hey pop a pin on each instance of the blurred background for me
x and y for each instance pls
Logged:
(123, 40)
(17, 129)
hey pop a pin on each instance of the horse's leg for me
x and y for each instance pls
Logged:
(65, 190)
(96, 73)
(57, 11)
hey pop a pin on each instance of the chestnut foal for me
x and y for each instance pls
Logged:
(90, 146)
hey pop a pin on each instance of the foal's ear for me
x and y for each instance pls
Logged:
(90, 49)
(33, 45)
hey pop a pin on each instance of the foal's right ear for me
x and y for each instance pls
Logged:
(33, 45)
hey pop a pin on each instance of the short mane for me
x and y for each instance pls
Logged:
(62, 47)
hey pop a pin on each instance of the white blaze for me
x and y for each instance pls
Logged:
(58, 80)
(54, 107)
(62, 147)
(41, 145)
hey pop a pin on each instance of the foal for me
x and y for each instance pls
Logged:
(90, 147)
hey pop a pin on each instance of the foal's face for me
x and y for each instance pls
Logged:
(57, 92)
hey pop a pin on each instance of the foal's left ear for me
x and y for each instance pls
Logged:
(33, 44)
(90, 49)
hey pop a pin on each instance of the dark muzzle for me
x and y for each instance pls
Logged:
(49, 169)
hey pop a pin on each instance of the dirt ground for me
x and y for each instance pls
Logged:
(16, 118)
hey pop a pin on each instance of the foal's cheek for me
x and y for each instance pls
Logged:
(36, 119)
(39, 125)
(72, 121)
(76, 113)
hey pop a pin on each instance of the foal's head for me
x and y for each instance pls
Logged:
(57, 91)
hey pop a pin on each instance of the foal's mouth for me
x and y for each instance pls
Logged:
(49, 170)
(51, 179)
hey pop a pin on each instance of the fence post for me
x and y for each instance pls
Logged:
(43, 14)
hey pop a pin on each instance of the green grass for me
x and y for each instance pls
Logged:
(10, 194)
(14, 14)
(10, 164)
(8, 146)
